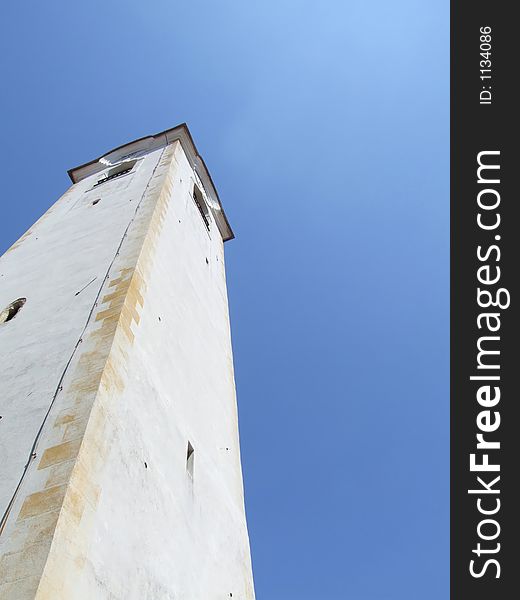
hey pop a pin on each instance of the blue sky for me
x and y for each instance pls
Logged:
(326, 129)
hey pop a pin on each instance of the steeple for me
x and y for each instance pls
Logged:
(120, 467)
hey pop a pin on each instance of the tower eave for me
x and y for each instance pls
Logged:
(179, 133)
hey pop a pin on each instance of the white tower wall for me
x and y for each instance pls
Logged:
(120, 360)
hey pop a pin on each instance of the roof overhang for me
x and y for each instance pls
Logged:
(179, 133)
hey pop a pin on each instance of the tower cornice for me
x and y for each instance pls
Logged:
(149, 143)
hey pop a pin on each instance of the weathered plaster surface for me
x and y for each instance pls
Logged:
(107, 508)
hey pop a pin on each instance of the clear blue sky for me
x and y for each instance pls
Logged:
(325, 126)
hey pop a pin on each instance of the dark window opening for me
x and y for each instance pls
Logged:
(12, 310)
(190, 459)
(117, 171)
(201, 205)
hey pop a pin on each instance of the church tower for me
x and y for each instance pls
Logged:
(120, 473)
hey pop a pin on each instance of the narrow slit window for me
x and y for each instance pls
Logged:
(190, 460)
(201, 205)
